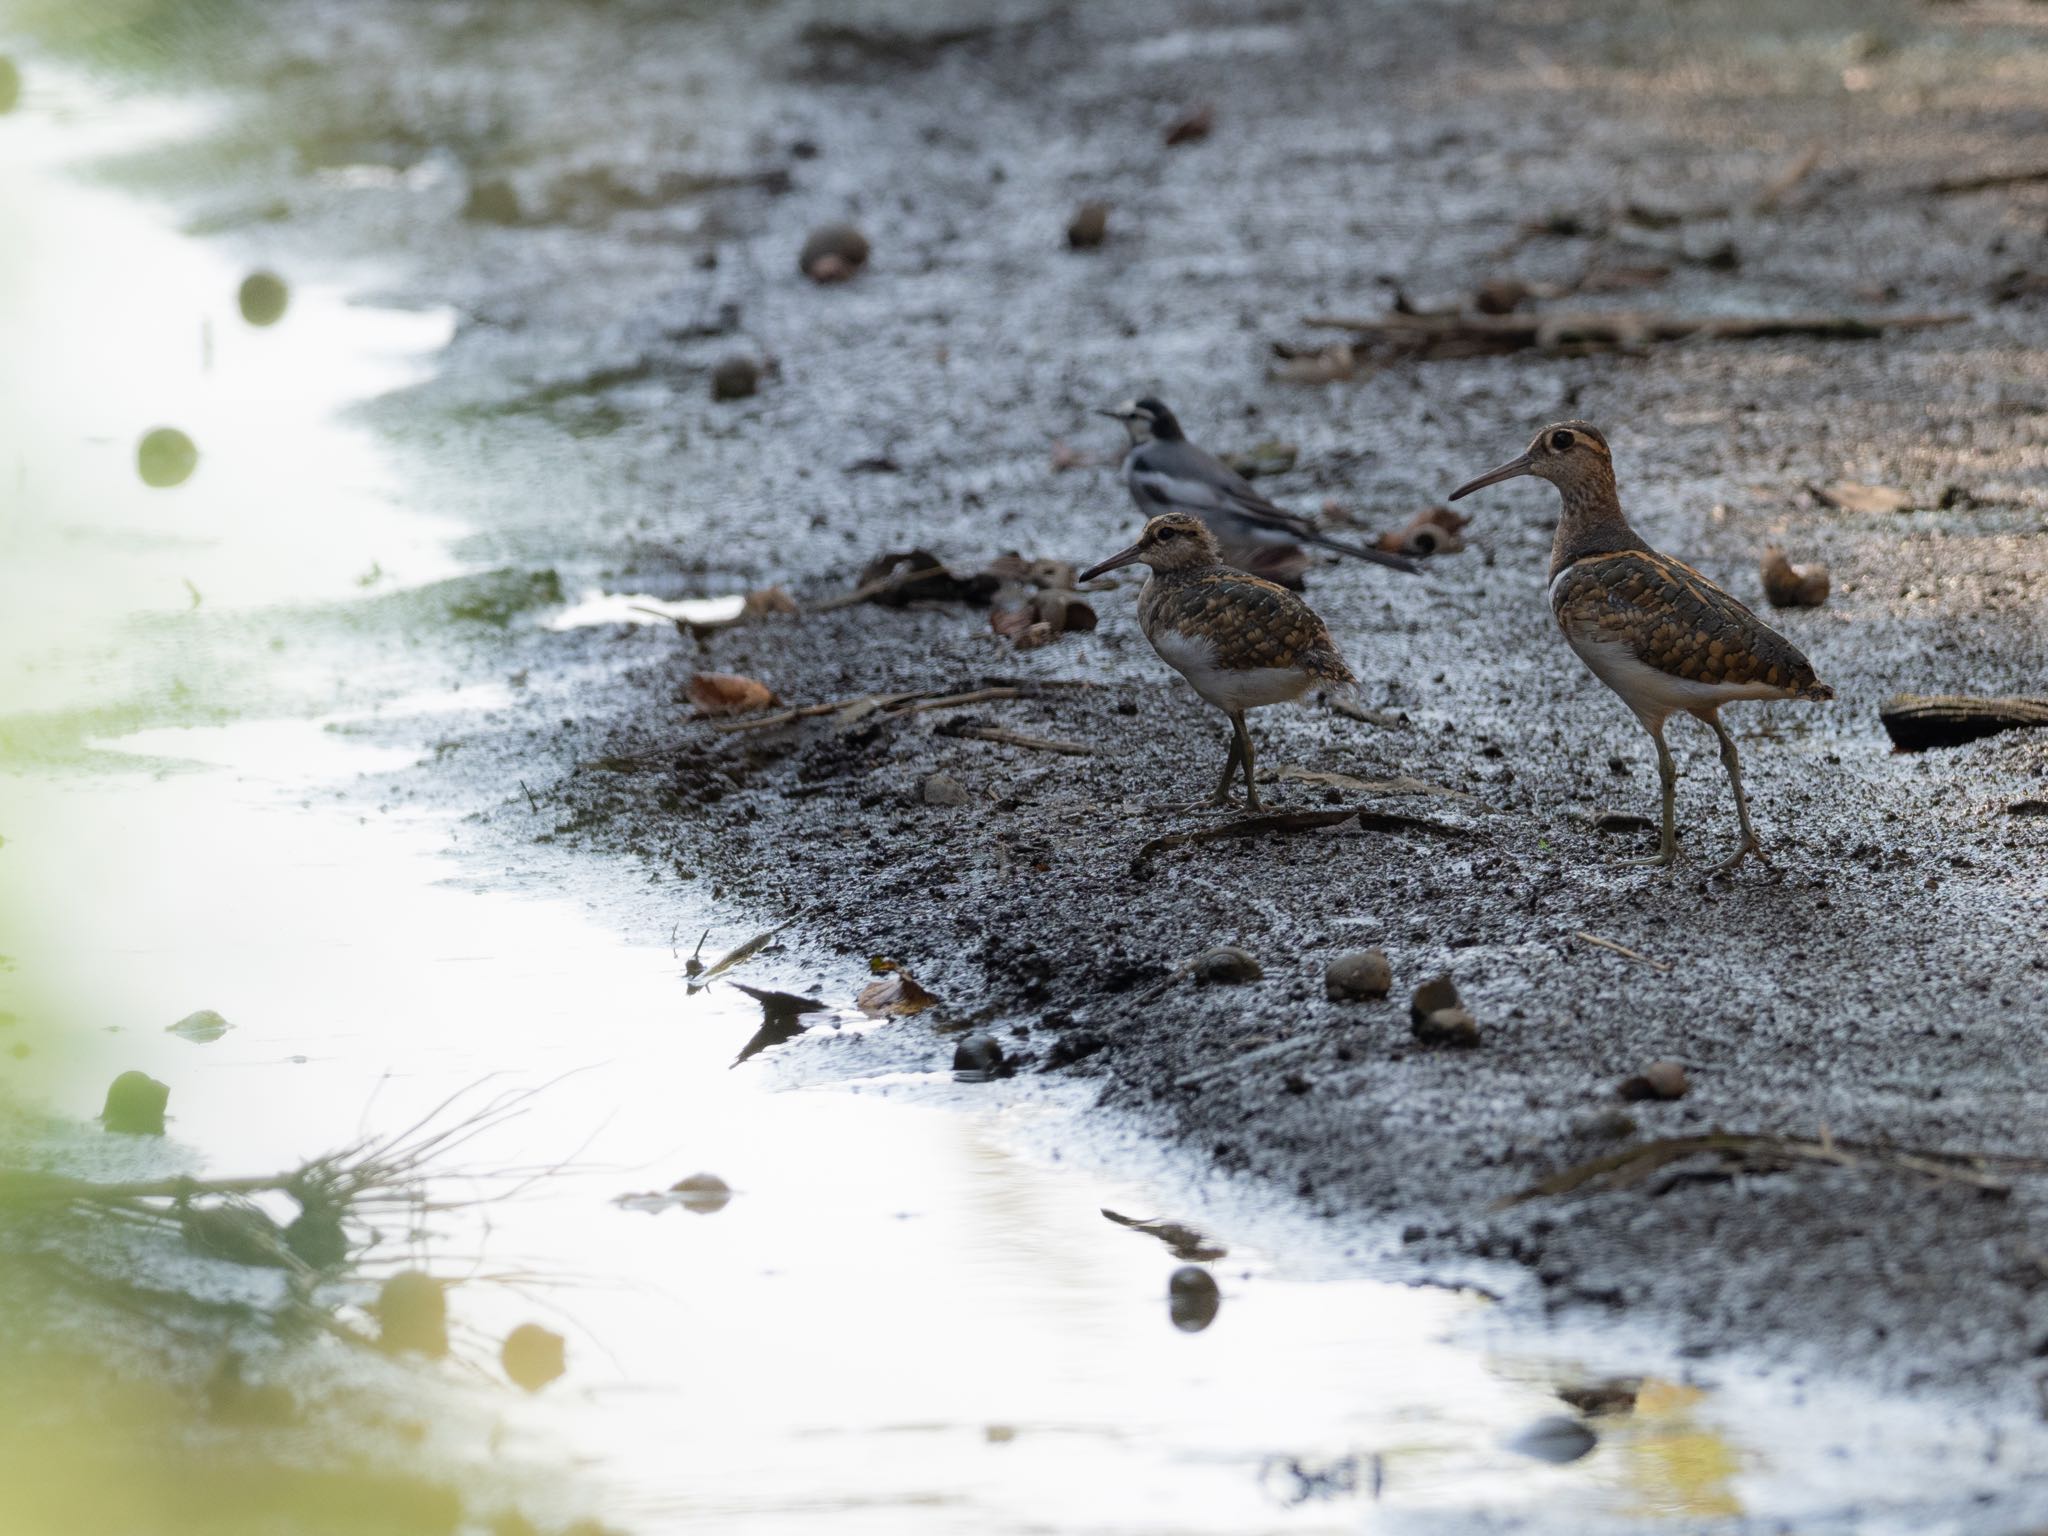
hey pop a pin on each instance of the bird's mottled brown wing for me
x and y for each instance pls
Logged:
(1251, 623)
(1677, 621)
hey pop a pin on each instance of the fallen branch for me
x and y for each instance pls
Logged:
(1457, 335)
(893, 583)
(1758, 1152)
(809, 711)
(1296, 821)
(957, 700)
(997, 734)
(1264, 1053)
(895, 704)
(1985, 181)
(1623, 950)
(1916, 722)
(1401, 785)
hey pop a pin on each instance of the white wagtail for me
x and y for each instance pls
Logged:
(1167, 473)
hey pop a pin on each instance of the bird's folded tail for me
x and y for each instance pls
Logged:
(1818, 693)
(1363, 552)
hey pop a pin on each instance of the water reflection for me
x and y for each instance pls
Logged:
(166, 457)
(1192, 1298)
(262, 298)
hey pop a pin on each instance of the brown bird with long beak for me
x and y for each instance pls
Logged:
(1242, 641)
(1650, 627)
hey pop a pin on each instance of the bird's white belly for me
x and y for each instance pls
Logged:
(1228, 688)
(1650, 692)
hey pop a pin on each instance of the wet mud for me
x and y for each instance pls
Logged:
(618, 212)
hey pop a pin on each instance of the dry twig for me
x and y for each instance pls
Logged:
(1623, 950)
(1757, 1152)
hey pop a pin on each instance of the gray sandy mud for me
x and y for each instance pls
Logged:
(1882, 981)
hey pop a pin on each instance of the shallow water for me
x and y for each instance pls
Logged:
(911, 1315)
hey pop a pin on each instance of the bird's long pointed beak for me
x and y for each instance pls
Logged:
(1517, 466)
(1110, 411)
(1128, 557)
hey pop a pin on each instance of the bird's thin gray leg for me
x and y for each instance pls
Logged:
(1222, 795)
(1250, 763)
(1667, 774)
(1750, 843)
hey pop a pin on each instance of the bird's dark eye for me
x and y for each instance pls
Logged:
(1560, 440)
(1168, 533)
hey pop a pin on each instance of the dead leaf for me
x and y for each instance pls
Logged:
(1852, 496)
(1192, 125)
(727, 693)
(1790, 586)
(895, 995)
(1187, 1243)
(1011, 622)
(1432, 531)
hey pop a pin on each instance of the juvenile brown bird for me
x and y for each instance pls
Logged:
(1240, 640)
(1650, 627)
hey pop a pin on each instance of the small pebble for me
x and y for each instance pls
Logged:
(1226, 963)
(317, 1238)
(1090, 223)
(1361, 974)
(263, 298)
(1432, 997)
(1557, 1439)
(201, 1028)
(944, 789)
(1447, 1026)
(533, 1356)
(735, 378)
(703, 1193)
(977, 1058)
(1659, 1080)
(833, 253)
(1192, 1298)
(166, 457)
(135, 1105)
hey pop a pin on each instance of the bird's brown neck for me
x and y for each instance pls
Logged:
(1592, 523)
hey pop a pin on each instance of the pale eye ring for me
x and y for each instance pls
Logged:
(1560, 440)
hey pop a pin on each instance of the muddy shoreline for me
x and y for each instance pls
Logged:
(1882, 982)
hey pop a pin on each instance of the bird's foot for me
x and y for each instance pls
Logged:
(1665, 856)
(1746, 848)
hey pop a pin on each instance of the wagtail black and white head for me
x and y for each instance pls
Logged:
(1166, 473)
